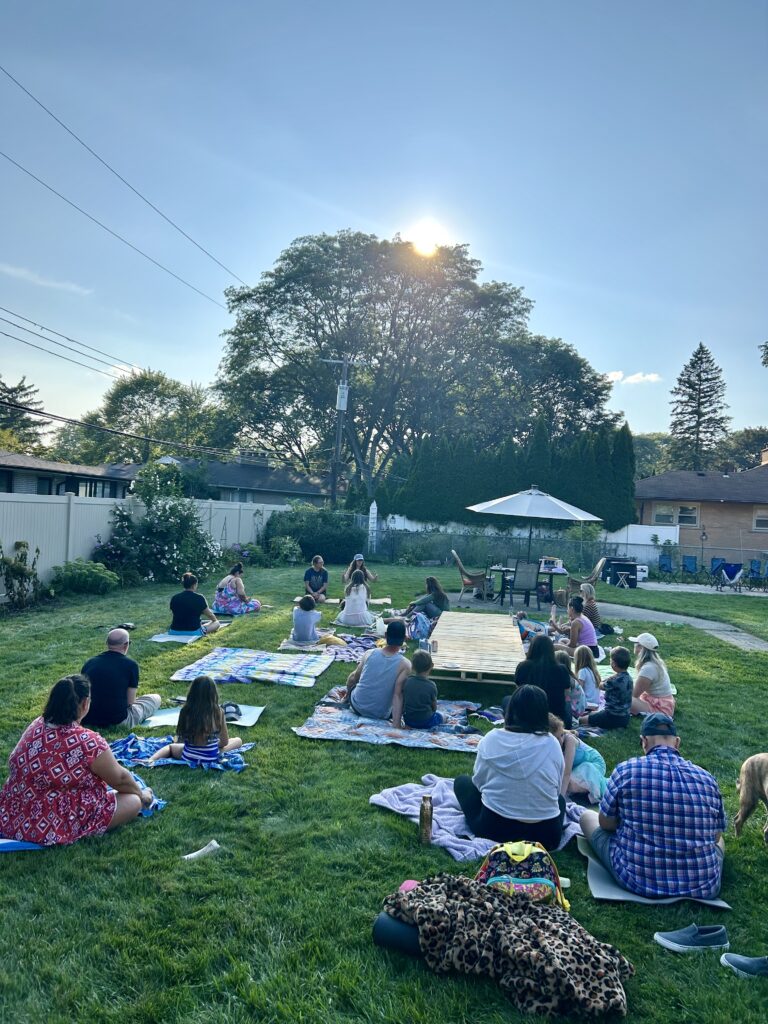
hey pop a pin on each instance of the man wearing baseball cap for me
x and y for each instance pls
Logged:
(661, 822)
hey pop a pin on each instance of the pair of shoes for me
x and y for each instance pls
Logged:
(694, 939)
(746, 966)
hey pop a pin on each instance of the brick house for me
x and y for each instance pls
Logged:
(731, 509)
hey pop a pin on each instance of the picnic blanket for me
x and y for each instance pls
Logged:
(604, 886)
(136, 749)
(449, 826)
(168, 718)
(332, 721)
(183, 638)
(240, 665)
(355, 648)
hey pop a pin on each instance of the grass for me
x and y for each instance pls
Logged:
(276, 928)
(748, 613)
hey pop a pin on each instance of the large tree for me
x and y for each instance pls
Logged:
(742, 449)
(651, 454)
(699, 418)
(26, 429)
(432, 351)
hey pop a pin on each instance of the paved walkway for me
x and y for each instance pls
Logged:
(697, 588)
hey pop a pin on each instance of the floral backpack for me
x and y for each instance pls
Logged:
(523, 869)
(419, 627)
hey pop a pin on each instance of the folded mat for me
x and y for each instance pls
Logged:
(240, 665)
(449, 826)
(134, 749)
(184, 638)
(332, 721)
(168, 718)
(604, 886)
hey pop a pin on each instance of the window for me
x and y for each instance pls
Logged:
(44, 485)
(6, 481)
(676, 515)
(761, 518)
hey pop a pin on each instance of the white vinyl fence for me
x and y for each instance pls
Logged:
(66, 527)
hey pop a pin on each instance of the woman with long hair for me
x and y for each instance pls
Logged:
(514, 791)
(433, 603)
(358, 565)
(355, 611)
(541, 669)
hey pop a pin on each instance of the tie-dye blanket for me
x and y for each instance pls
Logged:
(355, 648)
(137, 749)
(240, 665)
(332, 720)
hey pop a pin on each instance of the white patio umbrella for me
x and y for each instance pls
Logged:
(534, 504)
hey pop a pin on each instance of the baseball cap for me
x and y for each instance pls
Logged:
(359, 558)
(645, 640)
(658, 724)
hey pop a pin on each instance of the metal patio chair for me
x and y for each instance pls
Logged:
(526, 582)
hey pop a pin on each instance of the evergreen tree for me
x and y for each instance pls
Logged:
(508, 471)
(699, 419)
(539, 456)
(26, 429)
(623, 466)
(603, 500)
(586, 492)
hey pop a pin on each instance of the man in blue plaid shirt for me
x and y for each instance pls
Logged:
(661, 822)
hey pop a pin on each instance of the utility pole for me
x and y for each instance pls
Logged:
(342, 395)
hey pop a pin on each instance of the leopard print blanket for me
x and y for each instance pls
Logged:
(542, 959)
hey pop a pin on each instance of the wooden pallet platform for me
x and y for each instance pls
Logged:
(477, 648)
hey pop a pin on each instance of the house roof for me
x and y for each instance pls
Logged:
(749, 487)
(253, 477)
(114, 471)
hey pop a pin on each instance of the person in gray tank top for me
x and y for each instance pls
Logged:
(375, 688)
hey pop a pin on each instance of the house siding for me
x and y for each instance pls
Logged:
(728, 524)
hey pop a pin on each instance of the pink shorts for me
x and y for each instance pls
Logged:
(664, 705)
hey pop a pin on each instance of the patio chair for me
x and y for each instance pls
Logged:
(753, 577)
(574, 582)
(713, 573)
(667, 572)
(689, 568)
(471, 581)
(730, 576)
(526, 582)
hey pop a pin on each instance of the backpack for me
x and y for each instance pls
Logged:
(523, 869)
(419, 626)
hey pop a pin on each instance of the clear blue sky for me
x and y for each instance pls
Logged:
(610, 158)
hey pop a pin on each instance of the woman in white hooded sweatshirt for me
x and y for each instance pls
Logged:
(514, 792)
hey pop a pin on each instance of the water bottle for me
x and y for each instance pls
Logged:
(425, 820)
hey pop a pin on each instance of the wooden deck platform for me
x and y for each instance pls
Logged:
(476, 648)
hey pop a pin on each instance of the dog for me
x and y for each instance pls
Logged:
(752, 786)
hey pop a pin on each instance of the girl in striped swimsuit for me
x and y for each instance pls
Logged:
(202, 731)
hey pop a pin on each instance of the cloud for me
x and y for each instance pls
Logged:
(22, 274)
(619, 377)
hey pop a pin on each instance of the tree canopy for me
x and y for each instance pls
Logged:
(699, 418)
(24, 430)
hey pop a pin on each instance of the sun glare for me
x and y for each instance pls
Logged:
(426, 235)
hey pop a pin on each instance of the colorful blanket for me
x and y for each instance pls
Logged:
(331, 720)
(240, 665)
(355, 648)
(136, 749)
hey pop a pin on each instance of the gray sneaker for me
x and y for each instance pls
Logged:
(694, 939)
(746, 966)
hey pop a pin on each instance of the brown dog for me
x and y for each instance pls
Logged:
(752, 786)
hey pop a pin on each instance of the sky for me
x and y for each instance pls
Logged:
(609, 158)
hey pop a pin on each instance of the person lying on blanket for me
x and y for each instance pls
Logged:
(202, 731)
(661, 822)
(375, 688)
(188, 608)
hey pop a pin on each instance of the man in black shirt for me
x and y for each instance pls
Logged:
(188, 607)
(114, 686)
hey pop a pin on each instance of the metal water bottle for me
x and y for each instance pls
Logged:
(425, 820)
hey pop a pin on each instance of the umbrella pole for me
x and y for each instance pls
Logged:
(530, 531)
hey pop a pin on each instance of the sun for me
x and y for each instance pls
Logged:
(426, 235)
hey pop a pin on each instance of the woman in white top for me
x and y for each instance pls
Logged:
(355, 611)
(514, 792)
(652, 690)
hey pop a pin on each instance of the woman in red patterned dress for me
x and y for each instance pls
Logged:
(60, 772)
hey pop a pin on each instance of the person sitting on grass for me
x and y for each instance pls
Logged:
(202, 729)
(114, 679)
(585, 667)
(188, 608)
(355, 611)
(420, 694)
(433, 603)
(316, 580)
(592, 611)
(58, 787)
(618, 695)
(652, 690)
(577, 630)
(540, 669)
(576, 697)
(305, 620)
(358, 565)
(231, 598)
(375, 688)
(661, 822)
(584, 766)
(514, 791)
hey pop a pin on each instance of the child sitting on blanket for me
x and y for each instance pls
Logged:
(576, 696)
(585, 667)
(202, 730)
(305, 620)
(618, 695)
(420, 695)
(355, 611)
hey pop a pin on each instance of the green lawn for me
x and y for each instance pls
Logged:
(277, 927)
(749, 613)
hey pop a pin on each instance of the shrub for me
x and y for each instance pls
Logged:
(248, 554)
(81, 577)
(284, 551)
(22, 584)
(318, 531)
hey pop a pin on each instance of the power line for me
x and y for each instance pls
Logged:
(66, 337)
(119, 176)
(61, 344)
(59, 356)
(110, 231)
